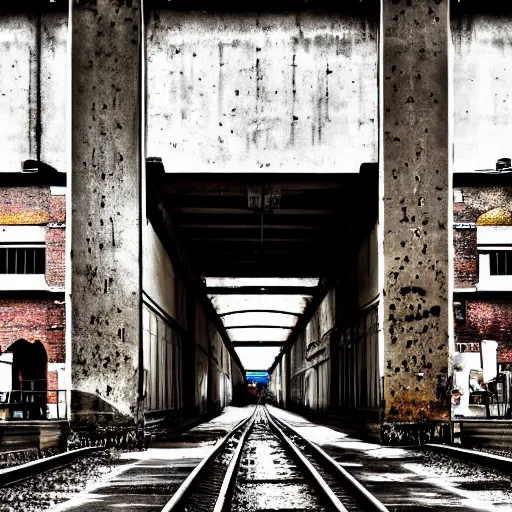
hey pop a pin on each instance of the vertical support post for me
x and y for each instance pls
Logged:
(414, 91)
(106, 267)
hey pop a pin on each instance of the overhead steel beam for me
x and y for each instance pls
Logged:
(234, 239)
(251, 218)
(255, 254)
(238, 344)
(293, 181)
(229, 267)
(268, 227)
(354, 7)
(259, 327)
(276, 311)
(261, 290)
(247, 211)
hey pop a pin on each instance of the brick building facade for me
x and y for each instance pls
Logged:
(482, 215)
(32, 279)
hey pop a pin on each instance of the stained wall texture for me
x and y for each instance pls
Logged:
(482, 79)
(106, 286)
(249, 91)
(415, 136)
(33, 89)
(159, 281)
(310, 365)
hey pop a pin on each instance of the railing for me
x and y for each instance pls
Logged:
(22, 405)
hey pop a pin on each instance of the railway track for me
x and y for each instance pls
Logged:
(17, 474)
(262, 464)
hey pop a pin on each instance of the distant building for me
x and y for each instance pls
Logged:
(482, 216)
(32, 305)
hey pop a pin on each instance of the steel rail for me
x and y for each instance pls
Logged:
(17, 474)
(179, 497)
(340, 473)
(230, 476)
(322, 484)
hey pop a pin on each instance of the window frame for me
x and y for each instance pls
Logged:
(40, 246)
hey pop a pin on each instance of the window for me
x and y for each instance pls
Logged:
(500, 263)
(458, 195)
(22, 260)
(494, 244)
(460, 312)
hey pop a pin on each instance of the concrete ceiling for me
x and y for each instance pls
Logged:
(258, 225)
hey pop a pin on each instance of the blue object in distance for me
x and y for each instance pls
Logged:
(261, 377)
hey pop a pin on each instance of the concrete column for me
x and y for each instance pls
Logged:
(414, 85)
(106, 245)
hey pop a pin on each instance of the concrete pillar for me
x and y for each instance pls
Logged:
(106, 245)
(414, 85)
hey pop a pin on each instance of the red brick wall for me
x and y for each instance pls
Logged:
(24, 205)
(478, 200)
(465, 267)
(52, 383)
(57, 211)
(55, 256)
(37, 319)
(488, 320)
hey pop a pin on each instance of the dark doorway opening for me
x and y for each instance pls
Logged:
(29, 384)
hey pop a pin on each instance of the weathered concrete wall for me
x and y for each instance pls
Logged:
(218, 379)
(18, 98)
(415, 166)
(482, 80)
(162, 350)
(368, 269)
(247, 91)
(310, 384)
(158, 276)
(236, 374)
(206, 369)
(202, 358)
(357, 376)
(106, 284)
(54, 48)
(33, 89)
(278, 383)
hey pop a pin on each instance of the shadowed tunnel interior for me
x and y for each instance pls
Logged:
(265, 248)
